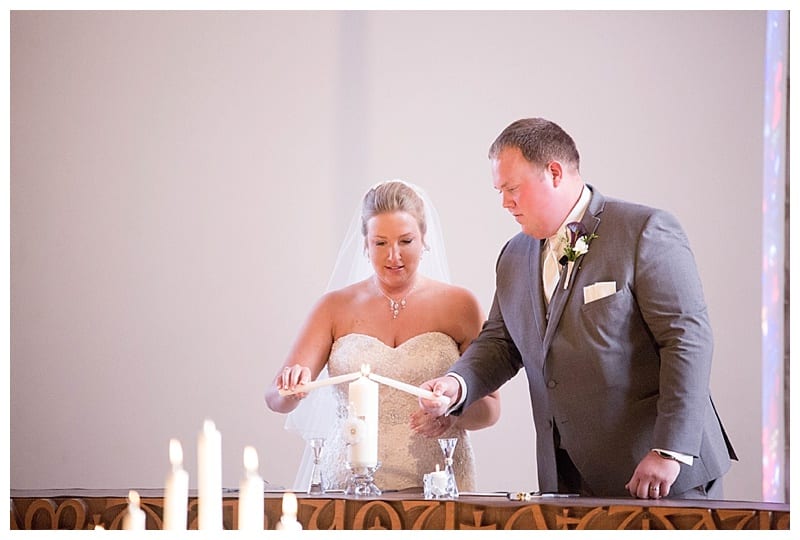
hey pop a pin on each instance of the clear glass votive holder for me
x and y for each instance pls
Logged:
(435, 485)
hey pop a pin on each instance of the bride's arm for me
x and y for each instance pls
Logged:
(308, 356)
(481, 414)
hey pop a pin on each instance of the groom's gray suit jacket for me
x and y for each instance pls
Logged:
(618, 376)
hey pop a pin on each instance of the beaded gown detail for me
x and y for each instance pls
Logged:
(404, 455)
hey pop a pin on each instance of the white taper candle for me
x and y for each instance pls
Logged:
(209, 478)
(313, 385)
(288, 520)
(176, 491)
(409, 388)
(251, 494)
(135, 518)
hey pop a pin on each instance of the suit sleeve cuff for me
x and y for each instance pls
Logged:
(463, 398)
(683, 458)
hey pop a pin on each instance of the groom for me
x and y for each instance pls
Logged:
(600, 301)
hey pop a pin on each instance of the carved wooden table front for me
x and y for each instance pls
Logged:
(85, 509)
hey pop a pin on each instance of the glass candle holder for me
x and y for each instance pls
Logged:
(316, 485)
(448, 447)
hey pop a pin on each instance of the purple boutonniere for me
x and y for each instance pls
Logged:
(577, 244)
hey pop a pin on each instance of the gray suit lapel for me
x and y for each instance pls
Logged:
(537, 296)
(556, 307)
(591, 220)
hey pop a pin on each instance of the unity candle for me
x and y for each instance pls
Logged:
(251, 494)
(135, 518)
(176, 491)
(209, 478)
(363, 398)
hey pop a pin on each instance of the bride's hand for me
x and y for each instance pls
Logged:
(429, 425)
(291, 376)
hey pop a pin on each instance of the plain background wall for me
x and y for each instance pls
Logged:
(180, 183)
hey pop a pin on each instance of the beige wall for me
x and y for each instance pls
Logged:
(180, 183)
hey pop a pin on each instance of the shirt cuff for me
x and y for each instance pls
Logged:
(463, 386)
(683, 458)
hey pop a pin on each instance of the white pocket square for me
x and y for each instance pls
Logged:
(598, 290)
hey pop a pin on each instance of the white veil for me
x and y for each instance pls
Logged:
(315, 416)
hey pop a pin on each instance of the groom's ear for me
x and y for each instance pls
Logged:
(556, 172)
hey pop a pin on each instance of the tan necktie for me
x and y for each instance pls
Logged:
(550, 272)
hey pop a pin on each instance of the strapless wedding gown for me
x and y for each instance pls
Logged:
(404, 455)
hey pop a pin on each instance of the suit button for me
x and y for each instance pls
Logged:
(551, 384)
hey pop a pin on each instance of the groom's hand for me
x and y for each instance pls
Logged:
(653, 477)
(443, 386)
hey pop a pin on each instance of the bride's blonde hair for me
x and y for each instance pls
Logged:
(393, 196)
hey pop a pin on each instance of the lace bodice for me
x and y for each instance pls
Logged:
(404, 455)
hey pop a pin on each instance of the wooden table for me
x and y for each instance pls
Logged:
(84, 509)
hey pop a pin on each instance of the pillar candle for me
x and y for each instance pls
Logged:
(288, 520)
(363, 397)
(135, 518)
(251, 494)
(209, 478)
(176, 491)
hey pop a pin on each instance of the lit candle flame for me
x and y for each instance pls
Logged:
(209, 426)
(250, 459)
(175, 453)
(133, 497)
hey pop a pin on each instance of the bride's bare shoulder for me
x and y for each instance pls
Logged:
(454, 293)
(355, 292)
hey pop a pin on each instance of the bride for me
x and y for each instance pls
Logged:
(407, 325)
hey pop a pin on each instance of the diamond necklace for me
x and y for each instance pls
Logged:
(394, 305)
